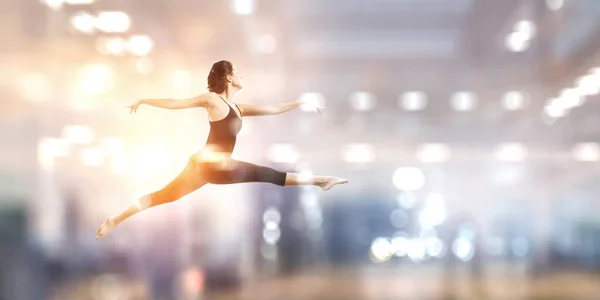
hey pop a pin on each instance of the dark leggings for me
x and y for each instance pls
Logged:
(228, 171)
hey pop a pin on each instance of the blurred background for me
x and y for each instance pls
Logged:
(467, 129)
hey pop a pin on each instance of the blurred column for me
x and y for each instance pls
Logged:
(265, 84)
(543, 201)
(48, 207)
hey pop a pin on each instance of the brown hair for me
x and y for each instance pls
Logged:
(218, 74)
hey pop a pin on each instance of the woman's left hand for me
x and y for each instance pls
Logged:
(313, 106)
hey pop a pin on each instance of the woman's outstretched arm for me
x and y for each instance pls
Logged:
(249, 110)
(203, 100)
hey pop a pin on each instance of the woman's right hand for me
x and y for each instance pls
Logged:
(133, 107)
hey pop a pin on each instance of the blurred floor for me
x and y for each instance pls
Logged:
(348, 284)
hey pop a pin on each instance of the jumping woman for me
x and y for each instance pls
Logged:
(213, 163)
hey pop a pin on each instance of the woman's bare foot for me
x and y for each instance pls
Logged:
(107, 226)
(328, 182)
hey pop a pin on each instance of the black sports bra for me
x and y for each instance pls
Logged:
(223, 133)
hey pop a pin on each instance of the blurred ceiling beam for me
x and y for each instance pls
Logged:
(388, 44)
(430, 76)
(361, 22)
(354, 30)
(379, 6)
(575, 46)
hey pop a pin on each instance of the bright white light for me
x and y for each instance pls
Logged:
(271, 226)
(358, 153)
(272, 215)
(526, 27)
(407, 200)
(91, 157)
(83, 22)
(267, 43)
(435, 247)
(309, 200)
(517, 41)
(433, 153)
(413, 101)
(408, 179)
(49, 149)
(113, 22)
(399, 218)
(416, 250)
(78, 134)
(243, 7)
(520, 247)
(182, 79)
(555, 5)
(400, 244)
(362, 101)
(97, 79)
(311, 101)
(140, 45)
(144, 65)
(305, 174)
(463, 101)
(53, 4)
(587, 85)
(514, 100)
(45, 155)
(554, 109)
(463, 249)
(466, 231)
(511, 152)
(595, 73)
(34, 86)
(61, 148)
(153, 159)
(570, 98)
(120, 165)
(116, 46)
(283, 153)
(434, 212)
(271, 237)
(586, 152)
(381, 250)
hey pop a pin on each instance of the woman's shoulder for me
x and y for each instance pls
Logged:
(210, 98)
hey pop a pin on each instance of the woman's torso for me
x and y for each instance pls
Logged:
(223, 133)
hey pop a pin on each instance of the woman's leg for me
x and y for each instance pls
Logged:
(234, 171)
(324, 182)
(186, 182)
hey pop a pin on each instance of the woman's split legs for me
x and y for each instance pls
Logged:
(185, 183)
(197, 174)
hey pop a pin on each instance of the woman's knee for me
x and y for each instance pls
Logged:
(144, 202)
(271, 175)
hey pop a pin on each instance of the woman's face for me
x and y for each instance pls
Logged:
(236, 79)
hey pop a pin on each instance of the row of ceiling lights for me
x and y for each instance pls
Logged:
(417, 100)
(430, 152)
